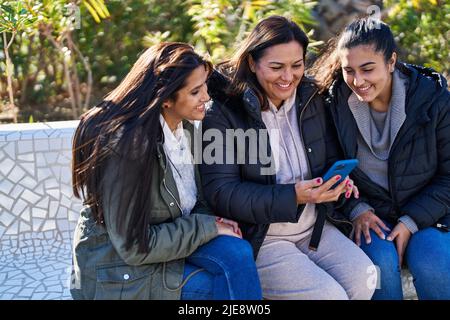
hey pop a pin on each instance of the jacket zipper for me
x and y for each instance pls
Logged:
(307, 157)
(167, 189)
(394, 145)
(391, 164)
(165, 263)
(301, 133)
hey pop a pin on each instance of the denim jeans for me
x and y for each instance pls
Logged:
(230, 271)
(427, 257)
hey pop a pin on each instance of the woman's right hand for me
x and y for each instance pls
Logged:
(228, 227)
(315, 191)
(366, 221)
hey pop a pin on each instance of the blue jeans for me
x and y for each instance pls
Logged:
(427, 257)
(230, 271)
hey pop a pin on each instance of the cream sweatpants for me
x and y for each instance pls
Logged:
(338, 270)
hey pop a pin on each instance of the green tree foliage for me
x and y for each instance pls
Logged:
(14, 18)
(220, 25)
(422, 30)
(114, 45)
(70, 53)
(64, 66)
(45, 55)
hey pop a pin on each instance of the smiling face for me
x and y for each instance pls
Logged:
(279, 70)
(189, 102)
(368, 74)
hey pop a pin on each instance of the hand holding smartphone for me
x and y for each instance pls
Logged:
(318, 190)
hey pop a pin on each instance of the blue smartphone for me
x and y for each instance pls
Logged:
(342, 168)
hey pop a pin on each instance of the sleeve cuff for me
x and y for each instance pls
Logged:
(360, 209)
(409, 223)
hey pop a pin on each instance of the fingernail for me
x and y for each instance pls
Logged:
(319, 180)
(338, 178)
(383, 237)
(389, 239)
(347, 194)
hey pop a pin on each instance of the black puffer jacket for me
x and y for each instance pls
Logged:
(239, 191)
(419, 160)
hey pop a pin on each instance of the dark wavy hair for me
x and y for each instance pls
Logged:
(127, 123)
(362, 31)
(268, 32)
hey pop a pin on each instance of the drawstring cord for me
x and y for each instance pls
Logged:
(182, 283)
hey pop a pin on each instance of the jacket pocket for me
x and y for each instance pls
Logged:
(123, 282)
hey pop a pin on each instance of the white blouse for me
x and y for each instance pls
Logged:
(178, 152)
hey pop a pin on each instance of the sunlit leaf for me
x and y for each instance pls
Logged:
(92, 12)
(94, 4)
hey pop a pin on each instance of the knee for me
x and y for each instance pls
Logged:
(431, 278)
(428, 257)
(430, 271)
(236, 246)
(386, 261)
(364, 279)
(333, 291)
(383, 253)
(235, 250)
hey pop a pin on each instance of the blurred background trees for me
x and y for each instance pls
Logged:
(422, 30)
(60, 57)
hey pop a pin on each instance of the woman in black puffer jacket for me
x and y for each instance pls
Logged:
(272, 142)
(395, 119)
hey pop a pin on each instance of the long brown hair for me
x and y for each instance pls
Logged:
(362, 31)
(126, 123)
(267, 33)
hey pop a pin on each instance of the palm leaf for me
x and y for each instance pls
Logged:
(92, 11)
(97, 9)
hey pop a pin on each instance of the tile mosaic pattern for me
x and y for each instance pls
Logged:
(37, 210)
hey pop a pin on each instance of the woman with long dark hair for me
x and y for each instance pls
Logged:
(145, 232)
(278, 142)
(395, 118)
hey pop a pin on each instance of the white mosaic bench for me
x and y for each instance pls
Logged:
(38, 212)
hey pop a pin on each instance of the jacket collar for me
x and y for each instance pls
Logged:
(251, 104)
(162, 159)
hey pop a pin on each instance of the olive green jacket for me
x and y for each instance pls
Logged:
(103, 269)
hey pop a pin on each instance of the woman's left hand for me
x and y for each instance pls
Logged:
(401, 235)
